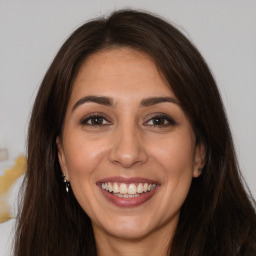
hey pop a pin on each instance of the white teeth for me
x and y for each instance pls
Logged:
(128, 190)
(140, 188)
(132, 189)
(115, 188)
(126, 196)
(110, 189)
(123, 188)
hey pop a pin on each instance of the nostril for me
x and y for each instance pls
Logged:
(128, 158)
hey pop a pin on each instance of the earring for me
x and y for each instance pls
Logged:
(200, 170)
(67, 183)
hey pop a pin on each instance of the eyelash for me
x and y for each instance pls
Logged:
(168, 121)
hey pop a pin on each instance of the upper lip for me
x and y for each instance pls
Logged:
(120, 179)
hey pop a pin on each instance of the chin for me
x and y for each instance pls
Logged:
(130, 227)
(130, 232)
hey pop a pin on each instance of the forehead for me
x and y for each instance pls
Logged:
(120, 72)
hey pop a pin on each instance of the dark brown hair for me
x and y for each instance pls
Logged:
(218, 216)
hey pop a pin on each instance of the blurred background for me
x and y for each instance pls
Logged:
(31, 32)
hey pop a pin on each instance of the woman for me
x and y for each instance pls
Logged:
(129, 150)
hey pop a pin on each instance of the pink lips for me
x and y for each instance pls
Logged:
(127, 202)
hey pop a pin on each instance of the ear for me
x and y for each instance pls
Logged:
(62, 159)
(199, 159)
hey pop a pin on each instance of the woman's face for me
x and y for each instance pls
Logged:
(127, 147)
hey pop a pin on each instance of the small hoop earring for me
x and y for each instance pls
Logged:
(67, 183)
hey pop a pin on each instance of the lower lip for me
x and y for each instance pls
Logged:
(128, 202)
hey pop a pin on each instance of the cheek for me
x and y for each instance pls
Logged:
(176, 159)
(83, 156)
(178, 171)
(83, 163)
(176, 155)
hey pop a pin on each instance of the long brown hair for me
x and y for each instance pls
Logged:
(218, 216)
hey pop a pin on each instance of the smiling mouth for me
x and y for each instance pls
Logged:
(124, 190)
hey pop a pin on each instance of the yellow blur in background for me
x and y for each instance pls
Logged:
(6, 182)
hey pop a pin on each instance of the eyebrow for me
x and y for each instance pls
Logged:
(156, 100)
(106, 101)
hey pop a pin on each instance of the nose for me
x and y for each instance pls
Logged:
(128, 148)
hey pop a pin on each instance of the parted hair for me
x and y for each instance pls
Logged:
(218, 216)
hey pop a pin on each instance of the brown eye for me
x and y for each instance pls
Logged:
(160, 121)
(95, 121)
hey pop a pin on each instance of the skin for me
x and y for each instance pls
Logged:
(129, 141)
